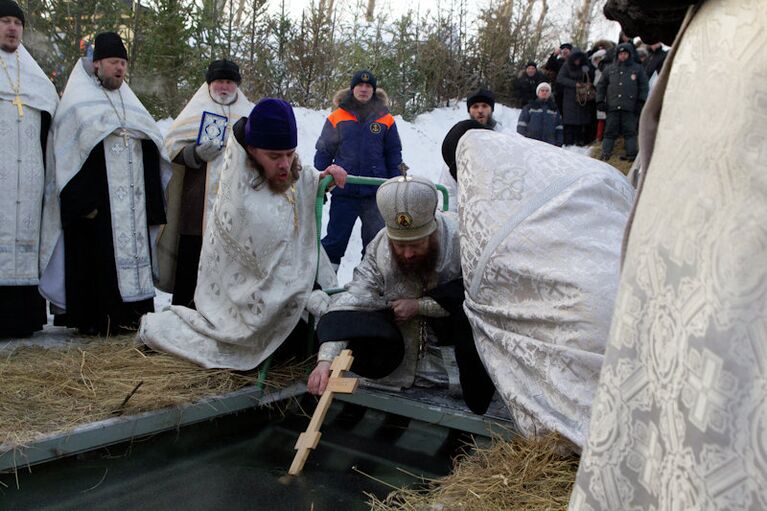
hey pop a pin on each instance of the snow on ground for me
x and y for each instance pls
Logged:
(421, 150)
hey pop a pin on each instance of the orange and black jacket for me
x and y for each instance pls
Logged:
(368, 146)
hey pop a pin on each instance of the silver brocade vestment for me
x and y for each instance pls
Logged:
(183, 131)
(85, 118)
(377, 281)
(680, 415)
(22, 172)
(256, 272)
(541, 232)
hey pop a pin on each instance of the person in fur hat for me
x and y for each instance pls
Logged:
(359, 136)
(196, 174)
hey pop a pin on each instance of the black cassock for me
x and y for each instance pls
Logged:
(94, 304)
(22, 309)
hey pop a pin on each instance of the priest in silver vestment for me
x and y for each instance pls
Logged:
(541, 232)
(109, 159)
(402, 313)
(28, 204)
(197, 162)
(260, 254)
(680, 414)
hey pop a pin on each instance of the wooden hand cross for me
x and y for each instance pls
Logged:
(309, 439)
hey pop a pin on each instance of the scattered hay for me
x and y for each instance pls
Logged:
(53, 390)
(615, 161)
(529, 474)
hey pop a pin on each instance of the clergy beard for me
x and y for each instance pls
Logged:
(223, 99)
(274, 185)
(109, 83)
(421, 267)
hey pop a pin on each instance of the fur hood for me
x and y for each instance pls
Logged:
(344, 94)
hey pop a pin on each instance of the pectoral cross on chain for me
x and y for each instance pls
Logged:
(125, 135)
(19, 104)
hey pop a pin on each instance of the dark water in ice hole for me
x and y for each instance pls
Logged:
(241, 462)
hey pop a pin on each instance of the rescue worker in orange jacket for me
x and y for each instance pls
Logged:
(361, 137)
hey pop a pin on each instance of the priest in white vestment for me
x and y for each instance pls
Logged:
(28, 203)
(541, 232)
(109, 159)
(680, 414)
(197, 162)
(260, 254)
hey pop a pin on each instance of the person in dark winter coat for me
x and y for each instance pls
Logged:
(526, 84)
(540, 119)
(577, 117)
(360, 136)
(655, 58)
(621, 92)
(554, 65)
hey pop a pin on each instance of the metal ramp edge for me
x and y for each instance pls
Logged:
(120, 429)
(483, 425)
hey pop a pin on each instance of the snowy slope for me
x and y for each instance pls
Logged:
(421, 150)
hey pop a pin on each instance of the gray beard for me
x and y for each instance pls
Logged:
(8, 49)
(217, 98)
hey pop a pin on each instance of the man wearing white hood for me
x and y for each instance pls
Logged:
(28, 101)
(541, 233)
(196, 172)
(109, 159)
(260, 255)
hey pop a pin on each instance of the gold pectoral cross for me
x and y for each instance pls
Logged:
(19, 104)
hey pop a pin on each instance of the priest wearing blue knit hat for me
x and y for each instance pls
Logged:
(259, 260)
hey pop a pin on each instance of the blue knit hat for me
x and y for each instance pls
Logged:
(272, 125)
(363, 76)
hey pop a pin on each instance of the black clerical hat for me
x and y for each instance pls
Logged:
(109, 45)
(10, 8)
(223, 70)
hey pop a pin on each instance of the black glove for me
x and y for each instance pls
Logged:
(602, 106)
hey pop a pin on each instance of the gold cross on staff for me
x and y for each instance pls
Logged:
(19, 104)
(309, 439)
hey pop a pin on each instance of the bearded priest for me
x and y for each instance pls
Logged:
(28, 101)
(260, 253)
(195, 144)
(109, 161)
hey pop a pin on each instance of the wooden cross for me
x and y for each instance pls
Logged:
(309, 439)
(19, 104)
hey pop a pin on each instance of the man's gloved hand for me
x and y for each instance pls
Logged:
(318, 303)
(208, 151)
(602, 106)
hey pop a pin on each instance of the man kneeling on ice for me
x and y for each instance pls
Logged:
(259, 255)
(402, 312)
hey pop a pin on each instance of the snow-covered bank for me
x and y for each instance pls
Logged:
(421, 150)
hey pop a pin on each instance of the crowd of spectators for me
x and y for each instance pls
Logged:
(596, 94)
